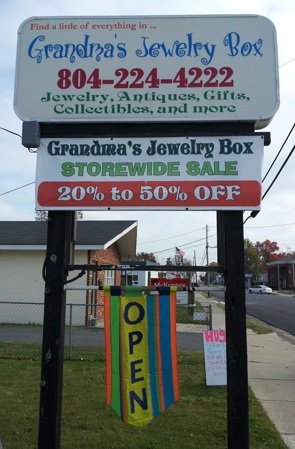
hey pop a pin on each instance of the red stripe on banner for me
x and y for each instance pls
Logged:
(174, 342)
(108, 345)
(154, 194)
(159, 355)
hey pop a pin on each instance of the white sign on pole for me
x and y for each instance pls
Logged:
(185, 173)
(215, 357)
(148, 69)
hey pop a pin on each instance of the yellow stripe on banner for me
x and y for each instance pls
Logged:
(136, 362)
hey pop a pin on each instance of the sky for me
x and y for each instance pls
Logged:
(158, 231)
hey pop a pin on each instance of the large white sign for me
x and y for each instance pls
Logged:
(151, 69)
(197, 173)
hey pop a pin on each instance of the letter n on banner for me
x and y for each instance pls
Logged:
(141, 352)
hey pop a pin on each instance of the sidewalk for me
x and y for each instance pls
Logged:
(271, 372)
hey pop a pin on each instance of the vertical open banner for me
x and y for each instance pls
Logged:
(141, 353)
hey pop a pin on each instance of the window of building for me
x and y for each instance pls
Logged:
(132, 279)
(109, 277)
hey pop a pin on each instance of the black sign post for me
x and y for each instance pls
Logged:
(231, 257)
(60, 235)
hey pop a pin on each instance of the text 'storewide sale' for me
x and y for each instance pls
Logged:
(185, 173)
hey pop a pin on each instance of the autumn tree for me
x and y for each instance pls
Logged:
(268, 252)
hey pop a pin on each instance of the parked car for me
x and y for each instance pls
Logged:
(262, 289)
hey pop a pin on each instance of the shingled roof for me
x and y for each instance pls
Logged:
(90, 235)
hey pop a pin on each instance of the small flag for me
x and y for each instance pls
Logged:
(179, 252)
(141, 353)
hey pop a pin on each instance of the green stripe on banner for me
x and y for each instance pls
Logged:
(132, 292)
(116, 369)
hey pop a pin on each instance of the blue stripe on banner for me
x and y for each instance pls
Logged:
(152, 353)
(166, 349)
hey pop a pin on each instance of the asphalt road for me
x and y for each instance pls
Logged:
(187, 341)
(277, 310)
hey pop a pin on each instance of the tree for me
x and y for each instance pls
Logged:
(252, 259)
(210, 276)
(290, 254)
(42, 215)
(268, 251)
(146, 256)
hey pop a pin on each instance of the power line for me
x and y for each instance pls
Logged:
(271, 226)
(254, 213)
(279, 172)
(287, 62)
(185, 244)
(18, 135)
(167, 238)
(203, 258)
(284, 163)
(279, 152)
(17, 188)
(11, 132)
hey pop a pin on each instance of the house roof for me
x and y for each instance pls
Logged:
(143, 263)
(284, 261)
(15, 235)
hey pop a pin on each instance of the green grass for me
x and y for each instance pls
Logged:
(197, 421)
(257, 326)
(254, 324)
(185, 314)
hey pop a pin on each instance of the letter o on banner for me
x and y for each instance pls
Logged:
(140, 316)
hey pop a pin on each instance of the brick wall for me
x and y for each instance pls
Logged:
(109, 256)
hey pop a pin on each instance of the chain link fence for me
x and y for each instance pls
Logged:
(21, 329)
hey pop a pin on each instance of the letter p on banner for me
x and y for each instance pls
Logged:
(141, 352)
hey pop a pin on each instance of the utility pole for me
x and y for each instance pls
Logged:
(207, 260)
(195, 276)
(207, 246)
